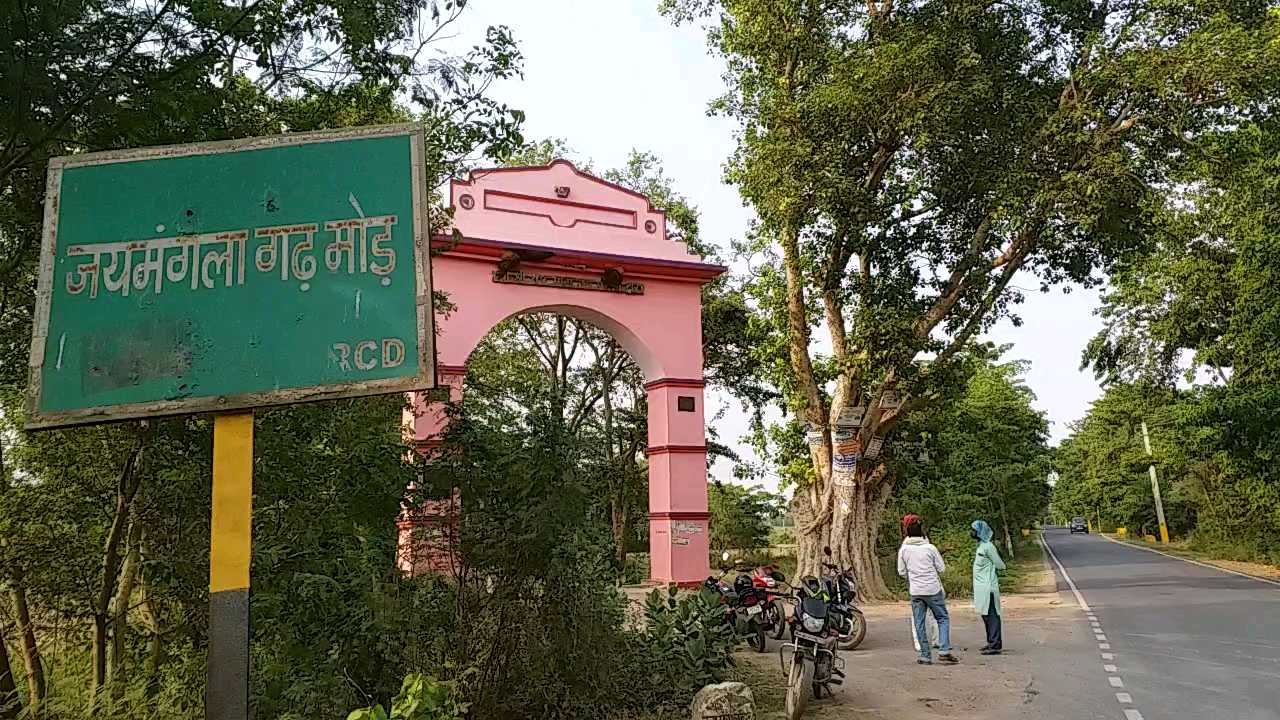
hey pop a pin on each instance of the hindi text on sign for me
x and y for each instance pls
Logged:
(288, 246)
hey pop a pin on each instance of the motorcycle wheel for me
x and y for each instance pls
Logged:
(798, 685)
(756, 639)
(855, 634)
(779, 621)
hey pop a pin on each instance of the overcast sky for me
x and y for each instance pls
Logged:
(612, 75)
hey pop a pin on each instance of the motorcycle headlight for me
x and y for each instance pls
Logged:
(813, 624)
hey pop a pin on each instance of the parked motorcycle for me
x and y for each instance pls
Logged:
(842, 591)
(774, 615)
(744, 604)
(814, 665)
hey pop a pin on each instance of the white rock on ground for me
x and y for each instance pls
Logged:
(724, 701)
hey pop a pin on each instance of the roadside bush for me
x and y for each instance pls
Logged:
(421, 697)
(687, 634)
(1242, 549)
(533, 624)
(636, 570)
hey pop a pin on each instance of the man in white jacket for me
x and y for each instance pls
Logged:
(921, 564)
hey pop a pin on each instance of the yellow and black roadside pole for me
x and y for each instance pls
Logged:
(1155, 485)
(230, 549)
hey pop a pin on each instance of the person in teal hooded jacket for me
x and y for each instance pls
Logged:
(986, 586)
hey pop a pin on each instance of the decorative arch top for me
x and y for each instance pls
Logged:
(561, 208)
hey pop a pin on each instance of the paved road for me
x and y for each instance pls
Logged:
(1186, 641)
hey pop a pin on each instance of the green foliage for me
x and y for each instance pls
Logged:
(328, 483)
(906, 160)
(421, 697)
(1102, 466)
(329, 624)
(1212, 449)
(982, 456)
(534, 612)
(1199, 309)
(740, 516)
(687, 634)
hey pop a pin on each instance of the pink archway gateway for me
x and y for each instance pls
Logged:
(554, 239)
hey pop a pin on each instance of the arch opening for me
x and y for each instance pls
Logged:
(645, 359)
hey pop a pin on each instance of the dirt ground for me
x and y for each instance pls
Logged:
(1049, 651)
(883, 681)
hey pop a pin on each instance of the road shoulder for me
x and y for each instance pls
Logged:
(1049, 655)
(1255, 571)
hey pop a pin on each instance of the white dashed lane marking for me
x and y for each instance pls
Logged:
(1109, 667)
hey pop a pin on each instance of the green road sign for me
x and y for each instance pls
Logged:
(232, 275)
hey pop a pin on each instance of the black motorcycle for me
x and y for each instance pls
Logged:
(744, 604)
(814, 665)
(841, 590)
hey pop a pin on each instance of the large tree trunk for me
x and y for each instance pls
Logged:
(10, 703)
(1008, 539)
(98, 658)
(848, 525)
(31, 661)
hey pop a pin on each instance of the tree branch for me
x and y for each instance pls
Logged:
(112, 69)
(798, 327)
(957, 284)
(534, 338)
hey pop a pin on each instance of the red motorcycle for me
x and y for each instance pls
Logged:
(773, 618)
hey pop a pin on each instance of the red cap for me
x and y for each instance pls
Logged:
(908, 519)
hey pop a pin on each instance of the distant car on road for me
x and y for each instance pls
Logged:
(1079, 525)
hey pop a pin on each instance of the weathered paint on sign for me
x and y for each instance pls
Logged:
(222, 276)
(851, 417)
(890, 400)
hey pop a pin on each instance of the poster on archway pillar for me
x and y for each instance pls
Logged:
(223, 277)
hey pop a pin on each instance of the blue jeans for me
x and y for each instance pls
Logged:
(937, 604)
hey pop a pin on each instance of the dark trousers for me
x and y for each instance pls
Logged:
(992, 621)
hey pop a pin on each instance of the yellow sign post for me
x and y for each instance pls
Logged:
(230, 550)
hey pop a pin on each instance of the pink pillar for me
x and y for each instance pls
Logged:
(679, 545)
(426, 539)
